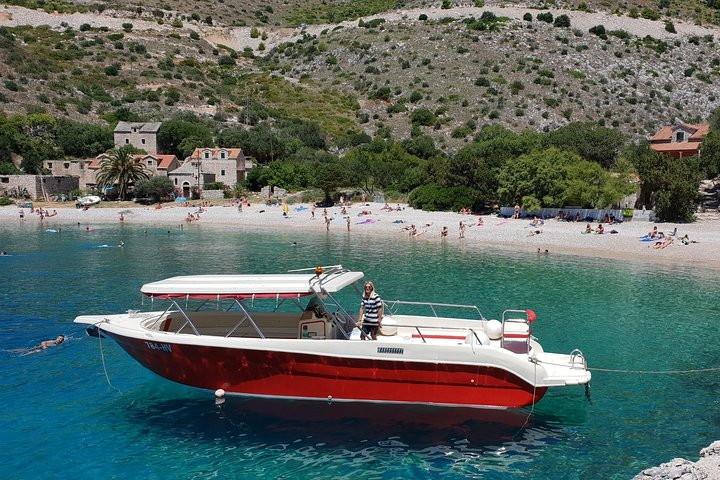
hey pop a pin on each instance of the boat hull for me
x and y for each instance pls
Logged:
(282, 374)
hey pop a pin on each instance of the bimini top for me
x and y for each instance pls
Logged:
(251, 286)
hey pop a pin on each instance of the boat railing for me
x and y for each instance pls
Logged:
(340, 317)
(393, 306)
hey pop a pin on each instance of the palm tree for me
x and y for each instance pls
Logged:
(120, 168)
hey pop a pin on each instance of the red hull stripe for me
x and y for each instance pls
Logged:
(237, 296)
(310, 376)
(516, 335)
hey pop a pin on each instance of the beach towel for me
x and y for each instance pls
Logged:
(300, 209)
(364, 222)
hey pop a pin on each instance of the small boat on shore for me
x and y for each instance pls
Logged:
(87, 201)
(286, 336)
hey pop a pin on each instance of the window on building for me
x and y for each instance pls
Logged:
(149, 163)
(176, 182)
(680, 136)
(222, 173)
(127, 140)
(206, 154)
(66, 165)
(4, 179)
(49, 164)
(223, 155)
(142, 140)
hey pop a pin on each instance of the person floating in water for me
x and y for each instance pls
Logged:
(44, 345)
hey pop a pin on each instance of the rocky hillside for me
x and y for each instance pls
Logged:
(445, 71)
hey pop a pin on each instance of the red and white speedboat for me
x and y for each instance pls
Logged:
(286, 336)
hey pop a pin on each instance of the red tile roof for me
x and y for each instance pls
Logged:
(215, 152)
(676, 147)
(698, 131)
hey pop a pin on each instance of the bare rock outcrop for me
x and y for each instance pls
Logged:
(706, 468)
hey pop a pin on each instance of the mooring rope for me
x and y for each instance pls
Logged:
(102, 357)
(656, 372)
(532, 407)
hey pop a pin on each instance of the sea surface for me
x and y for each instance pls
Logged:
(63, 417)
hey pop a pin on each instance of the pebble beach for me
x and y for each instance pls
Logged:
(518, 235)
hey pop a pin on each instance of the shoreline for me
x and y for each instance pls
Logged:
(558, 237)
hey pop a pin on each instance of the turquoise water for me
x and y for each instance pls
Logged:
(61, 419)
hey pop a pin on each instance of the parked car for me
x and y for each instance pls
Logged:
(325, 203)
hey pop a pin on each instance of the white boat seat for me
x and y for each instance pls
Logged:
(516, 331)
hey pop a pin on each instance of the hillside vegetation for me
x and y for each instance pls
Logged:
(445, 75)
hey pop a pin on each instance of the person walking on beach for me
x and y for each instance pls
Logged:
(327, 223)
(347, 219)
(462, 229)
(22, 215)
(371, 312)
(444, 232)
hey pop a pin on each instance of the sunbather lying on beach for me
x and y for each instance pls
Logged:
(663, 243)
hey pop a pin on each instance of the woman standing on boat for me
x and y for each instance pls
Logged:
(371, 312)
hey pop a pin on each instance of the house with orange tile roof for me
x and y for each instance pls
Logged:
(209, 165)
(680, 140)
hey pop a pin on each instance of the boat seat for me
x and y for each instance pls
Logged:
(516, 335)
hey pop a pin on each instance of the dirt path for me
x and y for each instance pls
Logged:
(239, 38)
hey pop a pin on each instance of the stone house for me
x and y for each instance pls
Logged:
(141, 135)
(679, 140)
(73, 168)
(208, 165)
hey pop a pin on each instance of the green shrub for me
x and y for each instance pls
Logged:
(545, 17)
(5, 201)
(482, 82)
(436, 198)
(214, 186)
(527, 17)
(112, 70)
(562, 21)
(598, 30)
(424, 117)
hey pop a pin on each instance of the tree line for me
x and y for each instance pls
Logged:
(582, 164)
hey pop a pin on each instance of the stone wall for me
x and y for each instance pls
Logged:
(30, 186)
(212, 194)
